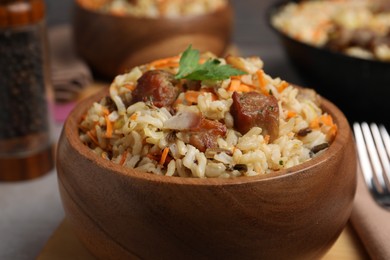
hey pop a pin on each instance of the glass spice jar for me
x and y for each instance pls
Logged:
(26, 149)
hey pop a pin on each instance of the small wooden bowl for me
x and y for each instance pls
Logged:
(113, 44)
(119, 213)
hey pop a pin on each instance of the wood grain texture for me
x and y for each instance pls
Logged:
(113, 44)
(297, 213)
(27, 167)
(64, 245)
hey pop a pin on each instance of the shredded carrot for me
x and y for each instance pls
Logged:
(172, 64)
(133, 117)
(262, 82)
(237, 85)
(316, 36)
(177, 102)
(322, 120)
(261, 78)
(291, 114)
(266, 138)
(129, 86)
(282, 86)
(106, 111)
(332, 132)
(315, 123)
(191, 96)
(108, 127)
(326, 120)
(123, 158)
(92, 136)
(234, 85)
(164, 155)
(166, 62)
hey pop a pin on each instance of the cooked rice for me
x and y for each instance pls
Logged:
(139, 137)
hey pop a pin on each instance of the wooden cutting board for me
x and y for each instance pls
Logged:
(64, 245)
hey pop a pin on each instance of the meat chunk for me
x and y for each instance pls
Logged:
(157, 86)
(380, 6)
(201, 132)
(255, 109)
(341, 39)
(205, 134)
(193, 85)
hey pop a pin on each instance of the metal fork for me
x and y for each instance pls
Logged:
(373, 146)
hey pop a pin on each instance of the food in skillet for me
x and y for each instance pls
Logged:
(200, 116)
(360, 28)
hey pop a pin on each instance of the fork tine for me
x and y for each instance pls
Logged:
(386, 142)
(363, 156)
(375, 162)
(386, 138)
(382, 155)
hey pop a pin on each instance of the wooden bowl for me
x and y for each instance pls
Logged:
(112, 44)
(119, 213)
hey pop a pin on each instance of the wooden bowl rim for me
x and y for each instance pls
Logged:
(71, 133)
(187, 18)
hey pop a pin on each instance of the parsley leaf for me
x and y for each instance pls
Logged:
(210, 70)
(188, 62)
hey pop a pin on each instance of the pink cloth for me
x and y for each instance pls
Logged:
(62, 110)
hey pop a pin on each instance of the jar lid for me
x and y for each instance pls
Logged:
(21, 12)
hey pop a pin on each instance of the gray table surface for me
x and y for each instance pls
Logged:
(31, 210)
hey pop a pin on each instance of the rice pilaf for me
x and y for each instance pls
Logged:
(244, 125)
(359, 28)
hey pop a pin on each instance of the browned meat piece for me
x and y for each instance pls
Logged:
(157, 86)
(254, 109)
(362, 38)
(193, 84)
(380, 6)
(341, 39)
(205, 134)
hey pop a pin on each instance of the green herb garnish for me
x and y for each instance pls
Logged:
(210, 70)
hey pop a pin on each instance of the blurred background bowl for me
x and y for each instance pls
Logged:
(112, 44)
(122, 213)
(359, 87)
